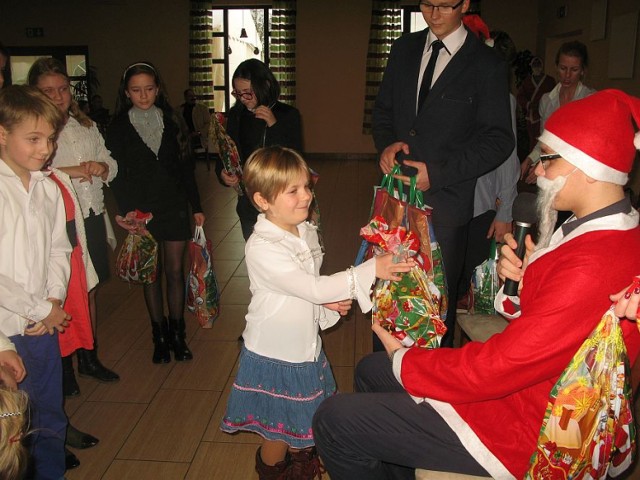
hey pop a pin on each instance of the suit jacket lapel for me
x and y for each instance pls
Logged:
(453, 69)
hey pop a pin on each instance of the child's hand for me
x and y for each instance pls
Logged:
(36, 329)
(12, 369)
(57, 319)
(386, 269)
(96, 169)
(229, 179)
(509, 265)
(627, 300)
(78, 172)
(342, 307)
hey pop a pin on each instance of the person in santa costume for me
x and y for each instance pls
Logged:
(483, 415)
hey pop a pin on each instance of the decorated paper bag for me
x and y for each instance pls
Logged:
(226, 149)
(409, 308)
(137, 261)
(203, 295)
(485, 284)
(588, 430)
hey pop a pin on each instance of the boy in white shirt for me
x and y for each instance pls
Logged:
(34, 268)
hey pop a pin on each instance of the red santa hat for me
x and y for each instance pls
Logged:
(597, 134)
(477, 26)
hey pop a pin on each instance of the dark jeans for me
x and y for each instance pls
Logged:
(381, 433)
(478, 249)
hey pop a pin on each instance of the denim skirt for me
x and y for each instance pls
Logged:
(277, 399)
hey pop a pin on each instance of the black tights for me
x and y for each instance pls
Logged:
(170, 259)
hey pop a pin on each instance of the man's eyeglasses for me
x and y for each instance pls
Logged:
(245, 95)
(544, 159)
(443, 9)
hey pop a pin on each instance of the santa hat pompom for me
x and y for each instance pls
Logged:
(477, 26)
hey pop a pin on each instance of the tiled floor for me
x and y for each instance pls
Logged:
(160, 422)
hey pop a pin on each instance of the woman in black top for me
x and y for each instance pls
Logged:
(257, 120)
(155, 175)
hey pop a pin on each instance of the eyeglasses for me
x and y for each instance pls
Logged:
(443, 9)
(546, 157)
(245, 95)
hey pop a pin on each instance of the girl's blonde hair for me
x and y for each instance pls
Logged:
(13, 417)
(52, 66)
(270, 170)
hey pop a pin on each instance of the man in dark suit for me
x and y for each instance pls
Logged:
(447, 132)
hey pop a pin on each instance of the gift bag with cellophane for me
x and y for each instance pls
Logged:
(137, 261)
(588, 431)
(203, 294)
(227, 149)
(410, 309)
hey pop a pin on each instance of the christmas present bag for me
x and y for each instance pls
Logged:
(410, 309)
(137, 261)
(203, 294)
(227, 150)
(485, 284)
(396, 209)
(588, 431)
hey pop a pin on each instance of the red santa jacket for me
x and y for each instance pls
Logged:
(494, 394)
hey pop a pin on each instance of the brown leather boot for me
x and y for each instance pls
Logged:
(305, 465)
(269, 472)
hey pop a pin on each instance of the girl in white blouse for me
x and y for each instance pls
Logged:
(81, 154)
(283, 374)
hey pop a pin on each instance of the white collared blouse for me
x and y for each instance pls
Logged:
(286, 312)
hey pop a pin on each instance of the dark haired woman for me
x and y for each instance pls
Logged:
(257, 120)
(156, 176)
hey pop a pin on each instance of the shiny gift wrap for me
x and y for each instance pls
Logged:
(409, 308)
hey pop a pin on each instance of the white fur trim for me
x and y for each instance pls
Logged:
(589, 165)
(470, 440)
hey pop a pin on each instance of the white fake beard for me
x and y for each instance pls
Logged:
(547, 215)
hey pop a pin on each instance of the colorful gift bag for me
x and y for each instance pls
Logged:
(203, 295)
(410, 309)
(226, 149)
(398, 209)
(137, 261)
(588, 430)
(485, 283)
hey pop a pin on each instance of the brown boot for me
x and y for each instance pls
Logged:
(269, 472)
(305, 465)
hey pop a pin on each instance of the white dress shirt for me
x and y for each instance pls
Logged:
(81, 144)
(452, 43)
(286, 312)
(34, 250)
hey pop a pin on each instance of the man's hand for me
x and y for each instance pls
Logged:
(388, 156)
(389, 342)
(12, 369)
(527, 171)
(499, 230)
(422, 177)
(509, 265)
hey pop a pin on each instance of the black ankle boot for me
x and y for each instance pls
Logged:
(90, 366)
(70, 387)
(161, 342)
(77, 439)
(177, 342)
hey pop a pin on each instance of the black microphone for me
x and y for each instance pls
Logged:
(524, 216)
